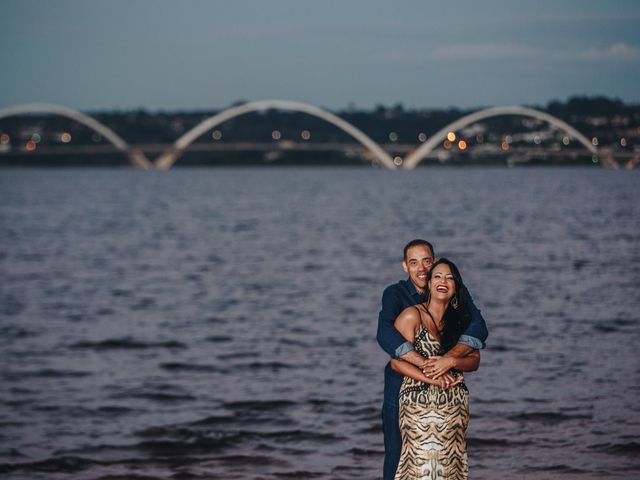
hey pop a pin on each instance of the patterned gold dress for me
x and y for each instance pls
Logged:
(433, 425)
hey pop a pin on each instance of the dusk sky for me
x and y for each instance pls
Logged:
(174, 55)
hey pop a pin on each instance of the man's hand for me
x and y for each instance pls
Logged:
(437, 366)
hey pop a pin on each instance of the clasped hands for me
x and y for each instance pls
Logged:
(438, 370)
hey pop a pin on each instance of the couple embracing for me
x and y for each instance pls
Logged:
(433, 332)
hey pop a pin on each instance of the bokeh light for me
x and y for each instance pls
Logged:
(65, 137)
(306, 135)
(594, 141)
(565, 140)
(30, 145)
(5, 138)
(216, 135)
(422, 137)
(446, 144)
(393, 136)
(462, 145)
(276, 135)
(451, 137)
(505, 146)
(397, 161)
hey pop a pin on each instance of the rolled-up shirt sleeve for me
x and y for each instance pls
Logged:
(404, 348)
(473, 342)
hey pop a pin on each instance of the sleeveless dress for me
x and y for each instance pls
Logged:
(433, 424)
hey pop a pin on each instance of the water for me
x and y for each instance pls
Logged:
(220, 323)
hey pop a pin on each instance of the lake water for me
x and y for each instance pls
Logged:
(220, 323)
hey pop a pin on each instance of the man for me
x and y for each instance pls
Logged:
(418, 259)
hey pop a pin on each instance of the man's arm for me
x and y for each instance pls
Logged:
(388, 337)
(411, 371)
(467, 363)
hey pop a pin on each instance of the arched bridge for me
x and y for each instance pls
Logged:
(167, 159)
(414, 158)
(136, 157)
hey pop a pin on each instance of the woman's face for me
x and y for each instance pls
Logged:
(442, 285)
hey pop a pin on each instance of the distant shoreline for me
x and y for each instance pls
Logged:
(187, 166)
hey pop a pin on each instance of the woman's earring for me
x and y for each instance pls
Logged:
(454, 302)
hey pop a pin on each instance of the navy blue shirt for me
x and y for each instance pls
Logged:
(395, 299)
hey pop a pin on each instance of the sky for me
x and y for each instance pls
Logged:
(207, 54)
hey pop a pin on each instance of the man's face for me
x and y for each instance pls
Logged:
(417, 265)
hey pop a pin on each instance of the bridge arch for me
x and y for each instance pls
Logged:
(167, 159)
(415, 157)
(136, 157)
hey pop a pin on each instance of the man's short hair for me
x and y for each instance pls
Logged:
(415, 243)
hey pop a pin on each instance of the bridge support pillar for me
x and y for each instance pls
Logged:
(139, 160)
(633, 162)
(167, 159)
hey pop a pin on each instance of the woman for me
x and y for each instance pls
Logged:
(433, 419)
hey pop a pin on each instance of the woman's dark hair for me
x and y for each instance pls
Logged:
(456, 320)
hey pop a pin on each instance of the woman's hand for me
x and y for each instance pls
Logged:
(445, 381)
(436, 366)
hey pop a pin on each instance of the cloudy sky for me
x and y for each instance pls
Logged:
(203, 54)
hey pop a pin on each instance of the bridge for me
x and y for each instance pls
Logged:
(136, 157)
(168, 155)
